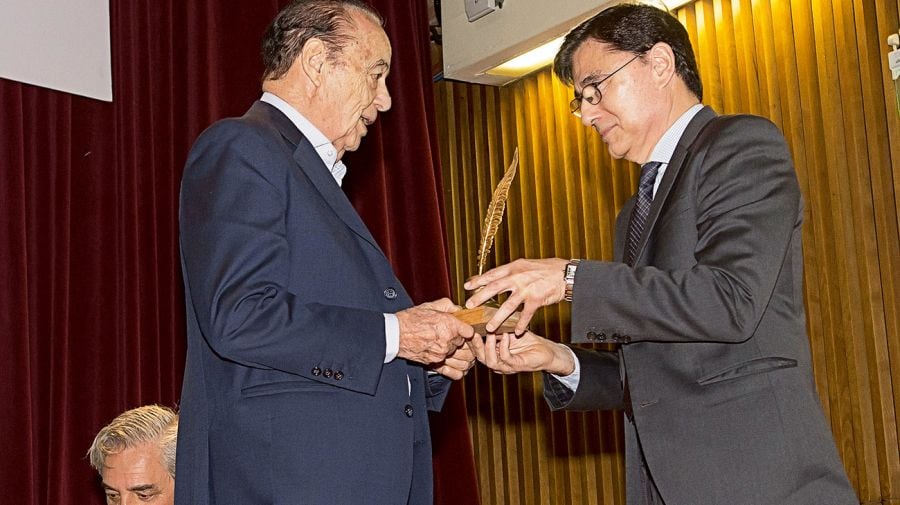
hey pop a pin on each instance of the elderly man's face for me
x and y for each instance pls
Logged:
(356, 87)
(138, 475)
(625, 116)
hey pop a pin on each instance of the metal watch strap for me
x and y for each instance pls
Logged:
(569, 276)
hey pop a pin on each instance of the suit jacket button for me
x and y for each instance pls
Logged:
(591, 335)
(615, 336)
(408, 410)
(327, 373)
(601, 337)
(338, 375)
(390, 293)
(626, 338)
(316, 371)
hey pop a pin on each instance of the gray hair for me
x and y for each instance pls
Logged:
(150, 423)
(326, 20)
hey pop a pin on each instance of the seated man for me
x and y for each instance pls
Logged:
(135, 456)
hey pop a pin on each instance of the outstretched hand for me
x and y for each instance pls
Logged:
(508, 354)
(532, 283)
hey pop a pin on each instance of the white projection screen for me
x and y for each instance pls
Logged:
(57, 44)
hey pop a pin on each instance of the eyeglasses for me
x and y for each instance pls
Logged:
(591, 91)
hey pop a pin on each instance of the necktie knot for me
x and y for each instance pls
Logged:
(648, 178)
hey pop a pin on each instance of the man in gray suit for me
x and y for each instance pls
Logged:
(704, 298)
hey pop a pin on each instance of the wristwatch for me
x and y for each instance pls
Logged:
(569, 276)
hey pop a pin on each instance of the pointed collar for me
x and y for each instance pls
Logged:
(324, 148)
(664, 149)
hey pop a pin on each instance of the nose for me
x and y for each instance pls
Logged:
(589, 113)
(382, 97)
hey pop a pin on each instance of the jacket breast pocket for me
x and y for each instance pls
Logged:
(751, 367)
(281, 387)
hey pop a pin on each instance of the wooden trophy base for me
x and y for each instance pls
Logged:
(478, 317)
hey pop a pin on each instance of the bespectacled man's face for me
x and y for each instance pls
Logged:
(625, 113)
(137, 475)
(356, 85)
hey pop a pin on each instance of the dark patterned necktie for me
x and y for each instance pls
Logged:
(641, 210)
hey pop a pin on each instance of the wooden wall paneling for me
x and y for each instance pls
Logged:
(770, 69)
(829, 203)
(541, 221)
(886, 187)
(571, 474)
(726, 54)
(528, 230)
(880, 115)
(505, 141)
(871, 145)
(706, 44)
(840, 145)
(810, 161)
(742, 16)
(888, 15)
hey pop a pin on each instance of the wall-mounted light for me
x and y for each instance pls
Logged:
(491, 49)
(527, 63)
(543, 55)
(671, 5)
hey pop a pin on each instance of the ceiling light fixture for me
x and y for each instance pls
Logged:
(529, 62)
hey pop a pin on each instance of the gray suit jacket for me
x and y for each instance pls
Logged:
(712, 330)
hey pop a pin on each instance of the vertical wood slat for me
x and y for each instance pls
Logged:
(817, 68)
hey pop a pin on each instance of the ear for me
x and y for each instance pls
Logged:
(312, 60)
(662, 63)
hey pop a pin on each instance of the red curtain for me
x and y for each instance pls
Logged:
(91, 303)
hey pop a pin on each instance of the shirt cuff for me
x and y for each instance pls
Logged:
(571, 381)
(392, 337)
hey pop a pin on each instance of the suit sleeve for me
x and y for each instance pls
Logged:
(237, 262)
(746, 211)
(436, 390)
(600, 389)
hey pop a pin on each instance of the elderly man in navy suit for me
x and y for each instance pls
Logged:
(309, 372)
(704, 299)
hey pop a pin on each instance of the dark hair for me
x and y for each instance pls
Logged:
(326, 20)
(634, 29)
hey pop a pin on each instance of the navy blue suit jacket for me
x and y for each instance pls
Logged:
(286, 398)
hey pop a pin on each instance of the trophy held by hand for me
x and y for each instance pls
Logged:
(477, 317)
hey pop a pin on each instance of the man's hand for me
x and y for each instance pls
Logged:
(531, 283)
(429, 333)
(458, 364)
(509, 354)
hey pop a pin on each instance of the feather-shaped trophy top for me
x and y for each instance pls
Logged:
(495, 212)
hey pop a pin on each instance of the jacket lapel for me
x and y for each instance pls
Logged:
(311, 165)
(674, 167)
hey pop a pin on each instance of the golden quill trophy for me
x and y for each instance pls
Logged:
(479, 316)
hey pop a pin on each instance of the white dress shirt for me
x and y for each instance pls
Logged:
(326, 150)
